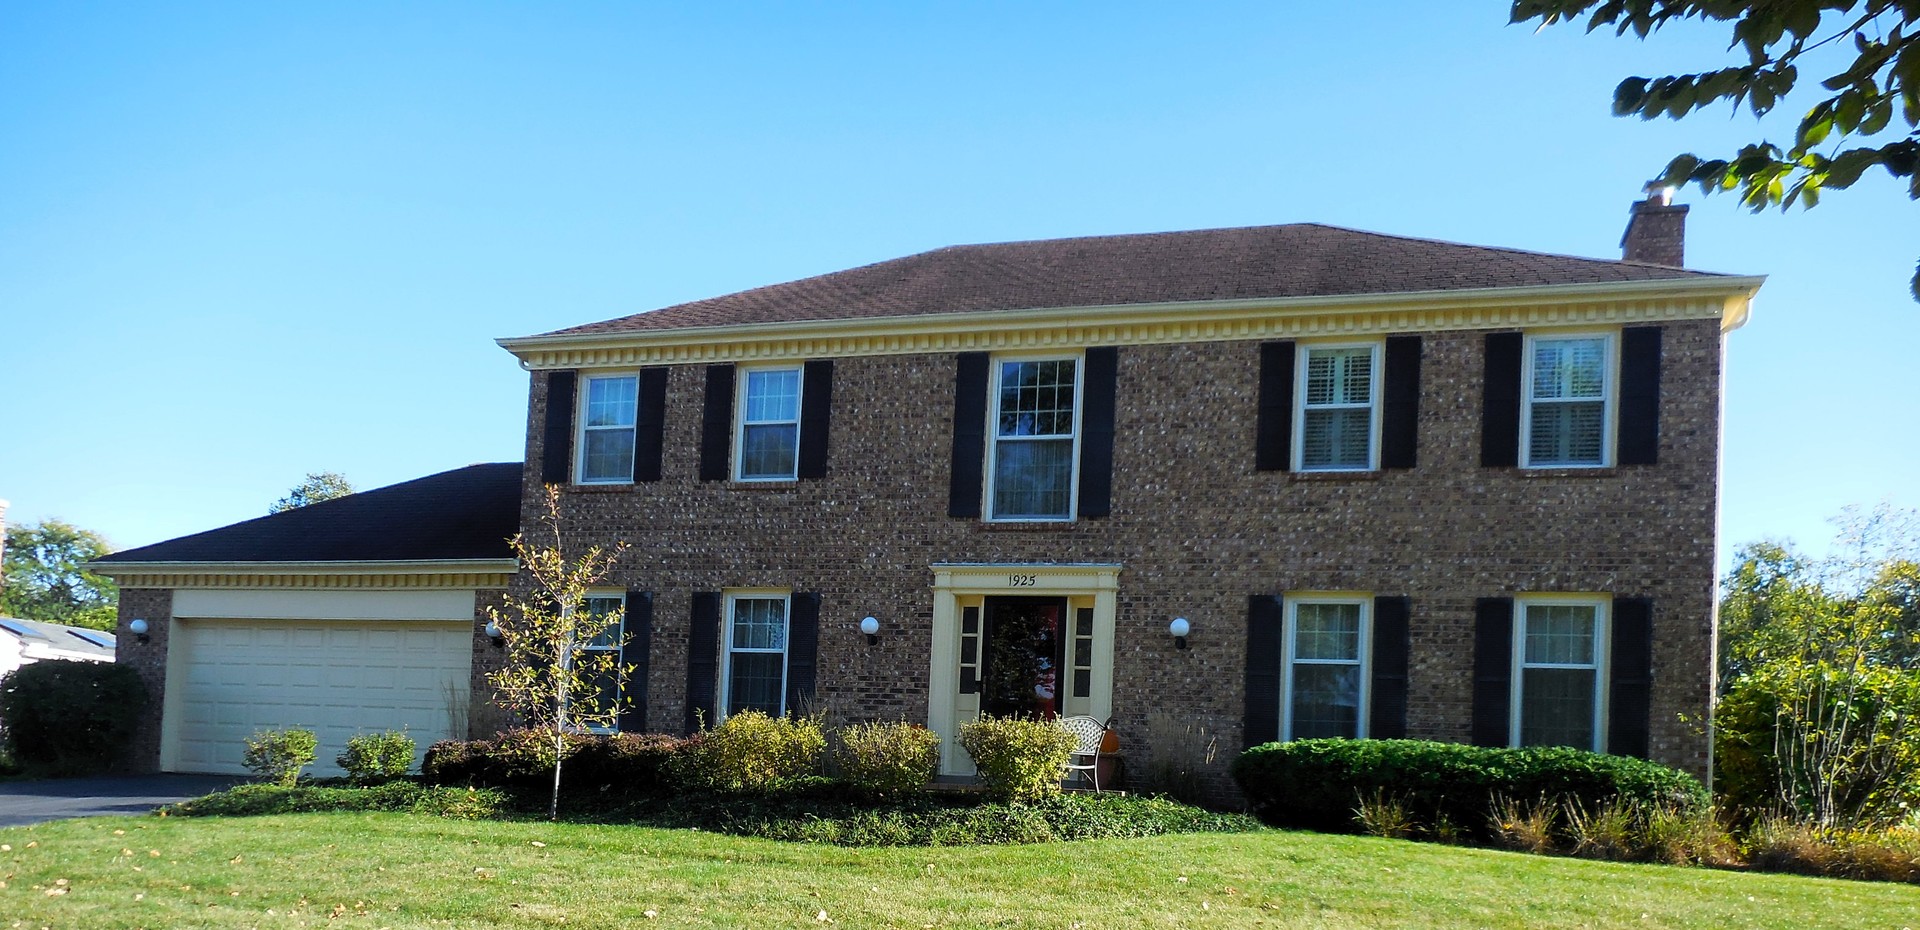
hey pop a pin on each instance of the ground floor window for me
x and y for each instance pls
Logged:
(1325, 667)
(606, 682)
(1559, 653)
(755, 674)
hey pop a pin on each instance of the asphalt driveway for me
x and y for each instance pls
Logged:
(25, 802)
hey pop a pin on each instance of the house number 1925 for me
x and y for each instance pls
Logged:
(1022, 581)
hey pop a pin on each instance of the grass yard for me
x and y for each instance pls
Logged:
(407, 870)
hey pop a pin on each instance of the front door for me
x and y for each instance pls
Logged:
(1042, 650)
(1021, 656)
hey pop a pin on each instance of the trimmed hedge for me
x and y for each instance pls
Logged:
(522, 759)
(1316, 784)
(70, 718)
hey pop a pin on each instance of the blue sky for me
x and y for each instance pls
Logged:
(243, 242)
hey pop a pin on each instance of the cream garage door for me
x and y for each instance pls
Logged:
(229, 678)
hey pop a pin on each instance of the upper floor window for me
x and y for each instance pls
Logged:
(606, 681)
(1339, 395)
(1566, 415)
(1325, 667)
(755, 670)
(769, 424)
(609, 409)
(1559, 654)
(1034, 434)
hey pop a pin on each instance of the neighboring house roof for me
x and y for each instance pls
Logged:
(1294, 260)
(35, 640)
(466, 513)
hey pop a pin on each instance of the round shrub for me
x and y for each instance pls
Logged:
(70, 718)
(1018, 758)
(1317, 783)
(279, 755)
(887, 758)
(752, 751)
(377, 757)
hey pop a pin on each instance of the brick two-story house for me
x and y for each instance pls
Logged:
(1390, 486)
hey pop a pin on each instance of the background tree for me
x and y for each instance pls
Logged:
(44, 579)
(319, 486)
(1872, 98)
(1820, 714)
(549, 676)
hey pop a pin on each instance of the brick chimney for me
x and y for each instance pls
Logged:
(1656, 230)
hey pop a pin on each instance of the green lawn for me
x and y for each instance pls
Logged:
(403, 870)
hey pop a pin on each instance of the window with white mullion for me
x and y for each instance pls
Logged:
(609, 408)
(1339, 391)
(768, 438)
(1035, 439)
(606, 682)
(1559, 654)
(1325, 659)
(1567, 415)
(755, 676)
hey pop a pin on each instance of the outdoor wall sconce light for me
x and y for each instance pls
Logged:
(871, 627)
(493, 633)
(138, 627)
(1179, 629)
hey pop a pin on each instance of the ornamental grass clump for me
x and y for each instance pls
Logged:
(1018, 758)
(279, 755)
(886, 758)
(752, 751)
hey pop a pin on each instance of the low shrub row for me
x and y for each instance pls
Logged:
(262, 799)
(752, 752)
(822, 811)
(1318, 784)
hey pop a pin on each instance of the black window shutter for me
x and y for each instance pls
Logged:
(716, 424)
(649, 425)
(803, 645)
(1400, 412)
(1492, 670)
(969, 434)
(556, 448)
(1263, 670)
(636, 654)
(1096, 436)
(1640, 395)
(1500, 406)
(816, 413)
(1391, 643)
(703, 660)
(1273, 431)
(1630, 701)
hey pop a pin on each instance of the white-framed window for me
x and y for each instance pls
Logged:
(1337, 419)
(607, 684)
(1566, 418)
(1326, 658)
(1559, 671)
(767, 424)
(1034, 450)
(609, 408)
(753, 673)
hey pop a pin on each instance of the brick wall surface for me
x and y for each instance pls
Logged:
(1196, 528)
(155, 605)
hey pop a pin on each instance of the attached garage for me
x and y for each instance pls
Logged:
(354, 615)
(230, 678)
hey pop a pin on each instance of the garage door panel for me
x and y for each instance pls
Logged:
(337, 678)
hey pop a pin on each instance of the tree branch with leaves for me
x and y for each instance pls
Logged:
(1869, 118)
(550, 677)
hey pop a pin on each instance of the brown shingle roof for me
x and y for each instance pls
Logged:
(1295, 260)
